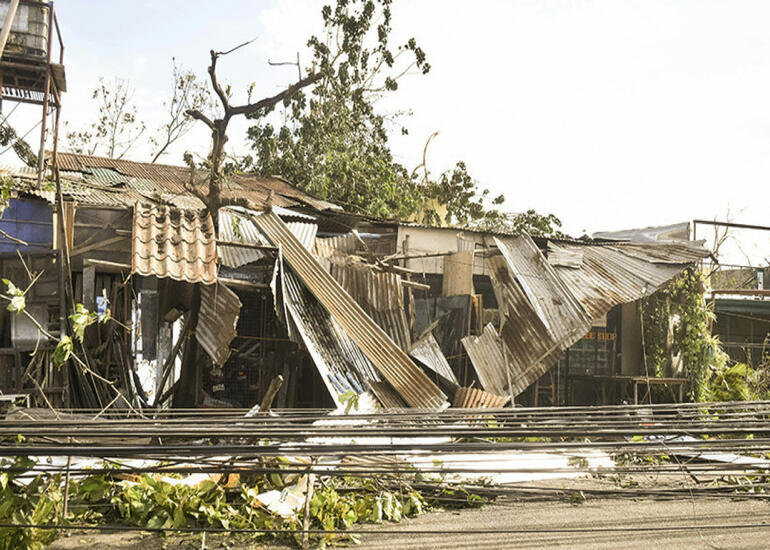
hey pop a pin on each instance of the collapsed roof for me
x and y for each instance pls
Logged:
(350, 314)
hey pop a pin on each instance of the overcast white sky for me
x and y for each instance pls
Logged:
(610, 114)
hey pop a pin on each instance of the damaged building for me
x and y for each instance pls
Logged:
(293, 302)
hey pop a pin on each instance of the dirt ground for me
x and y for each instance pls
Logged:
(632, 521)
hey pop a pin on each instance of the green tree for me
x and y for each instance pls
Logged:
(333, 142)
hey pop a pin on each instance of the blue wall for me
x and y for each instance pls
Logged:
(29, 220)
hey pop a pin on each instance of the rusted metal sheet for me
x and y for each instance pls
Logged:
(175, 243)
(486, 354)
(608, 277)
(379, 291)
(168, 183)
(540, 317)
(380, 294)
(395, 324)
(472, 398)
(664, 253)
(565, 318)
(390, 360)
(564, 257)
(527, 339)
(219, 311)
(427, 351)
(341, 245)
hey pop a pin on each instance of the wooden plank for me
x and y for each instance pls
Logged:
(458, 274)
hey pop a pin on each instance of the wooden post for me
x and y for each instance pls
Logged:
(306, 518)
(272, 390)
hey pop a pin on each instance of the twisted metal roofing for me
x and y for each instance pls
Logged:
(617, 274)
(218, 317)
(427, 351)
(390, 360)
(486, 354)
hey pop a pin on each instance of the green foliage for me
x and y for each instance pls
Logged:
(153, 503)
(37, 502)
(350, 399)
(6, 184)
(62, 351)
(22, 149)
(150, 501)
(701, 353)
(537, 225)
(81, 319)
(17, 302)
(460, 195)
(737, 382)
(711, 374)
(333, 143)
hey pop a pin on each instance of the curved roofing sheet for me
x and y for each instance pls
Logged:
(175, 243)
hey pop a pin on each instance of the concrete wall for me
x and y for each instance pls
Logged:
(422, 240)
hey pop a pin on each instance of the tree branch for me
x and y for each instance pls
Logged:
(215, 83)
(238, 47)
(197, 115)
(271, 101)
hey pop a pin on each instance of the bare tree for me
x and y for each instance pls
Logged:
(117, 129)
(216, 176)
(188, 94)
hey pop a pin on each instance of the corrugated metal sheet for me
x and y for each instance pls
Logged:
(341, 364)
(237, 227)
(546, 306)
(105, 176)
(172, 179)
(664, 253)
(486, 354)
(564, 257)
(341, 245)
(539, 317)
(380, 294)
(472, 398)
(608, 277)
(219, 311)
(565, 318)
(169, 242)
(379, 291)
(427, 351)
(305, 233)
(391, 361)
(526, 337)
(672, 232)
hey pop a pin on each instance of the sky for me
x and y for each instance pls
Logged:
(610, 114)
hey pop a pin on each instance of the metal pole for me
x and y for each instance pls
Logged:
(43, 128)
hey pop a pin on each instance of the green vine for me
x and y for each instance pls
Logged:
(677, 323)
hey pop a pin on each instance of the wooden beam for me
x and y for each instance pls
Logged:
(97, 246)
(245, 285)
(104, 266)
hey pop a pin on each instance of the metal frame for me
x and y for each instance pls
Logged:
(50, 92)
